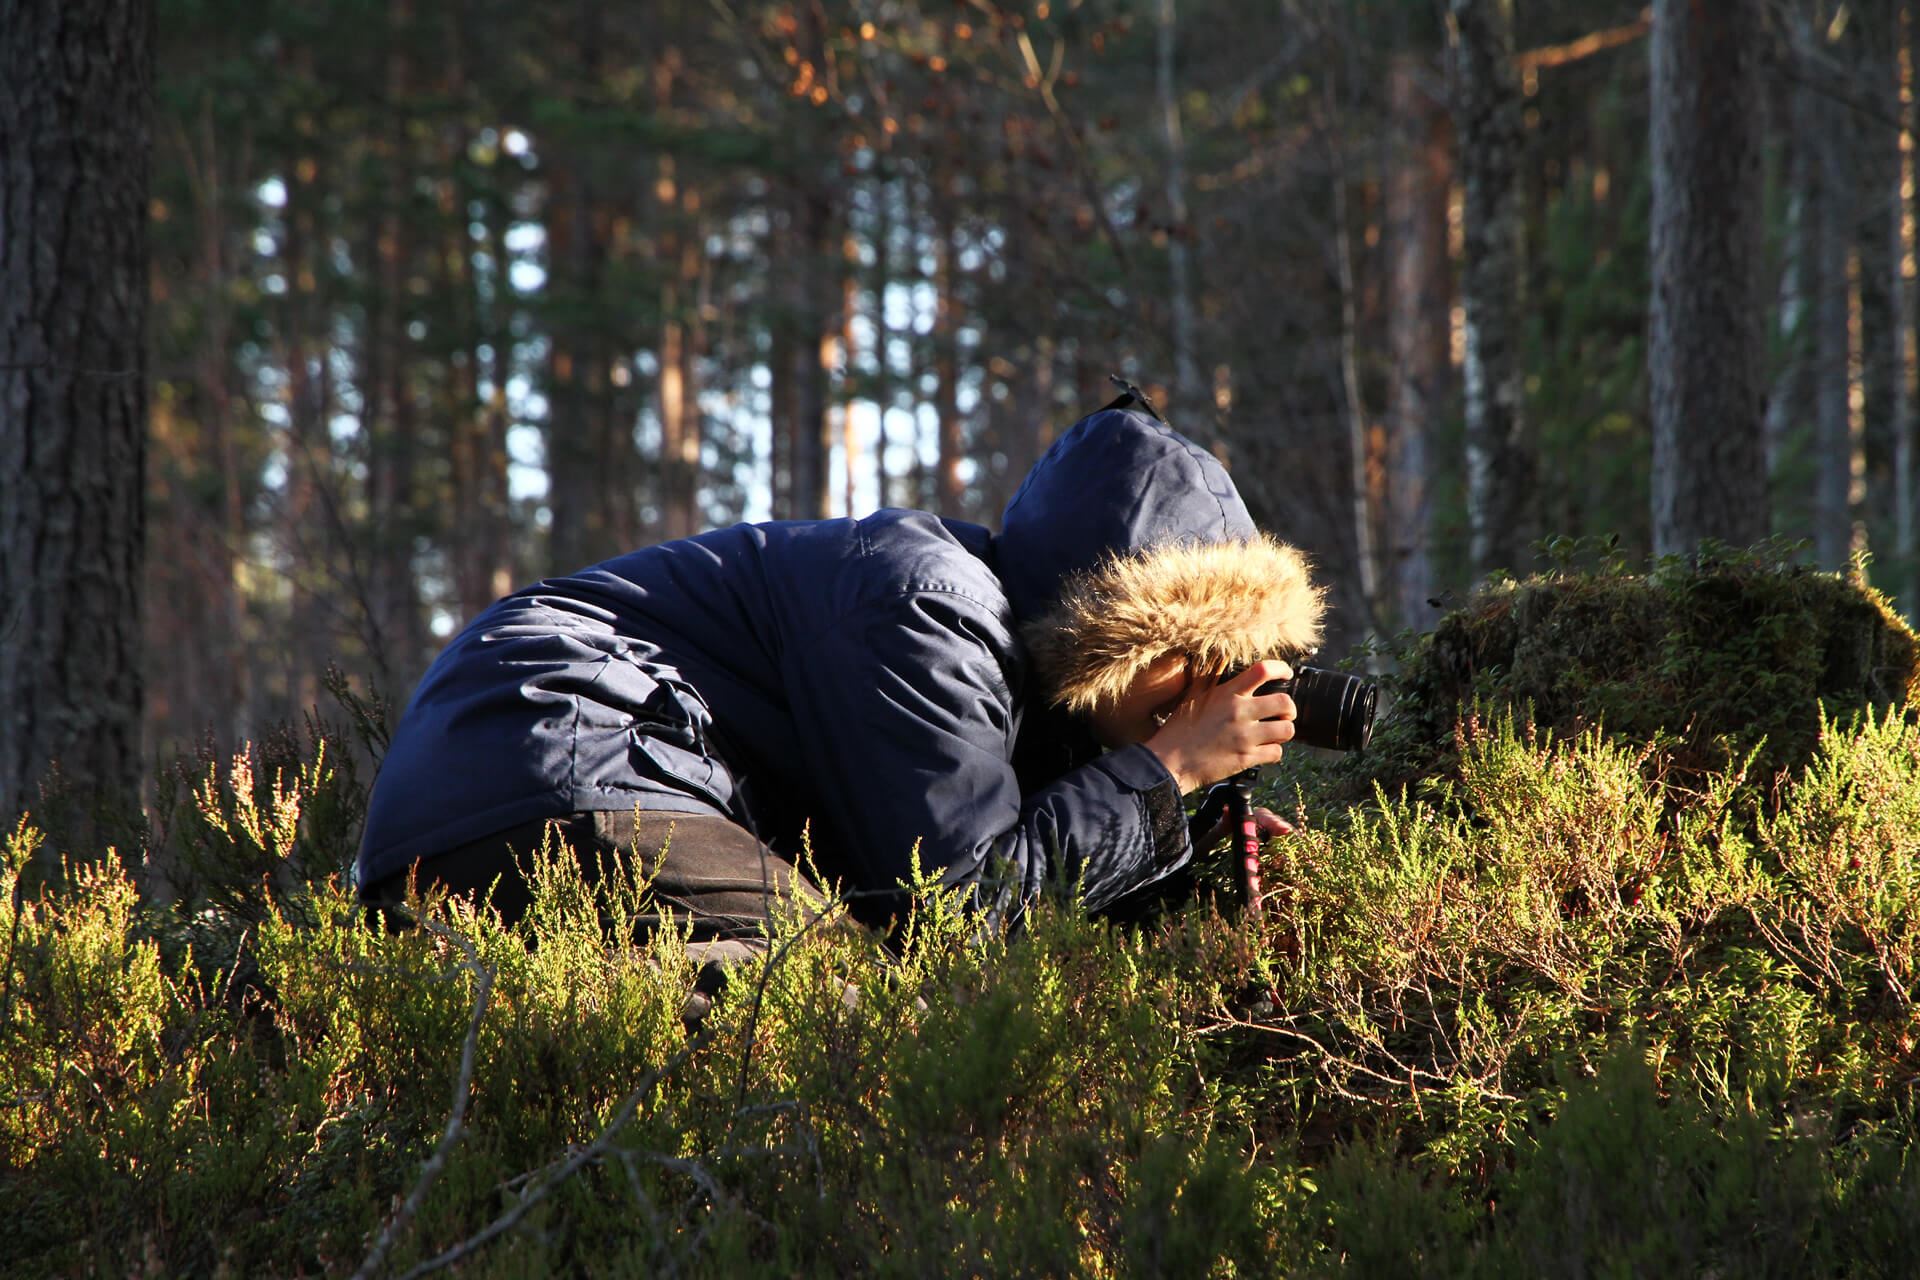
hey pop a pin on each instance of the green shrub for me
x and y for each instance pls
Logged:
(1582, 1005)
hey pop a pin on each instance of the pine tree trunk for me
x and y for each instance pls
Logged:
(393, 630)
(495, 331)
(679, 408)
(1906, 359)
(1189, 400)
(1417, 331)
(474, 550)
(696, 282)
(76, 84)
(882, 332)
(1704, 337)
(679, 442)
(950, 494)
(813, 326)
(309, 518)
(1790, 399)
(208, 634)
(1487, 127)
(479, 536)
(570, 480)
(844, 371)
(1033, 421)
(783, 368)
(1833, 508)
(591, 458)
(1362, 587)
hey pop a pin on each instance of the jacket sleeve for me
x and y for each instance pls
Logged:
(907, 712)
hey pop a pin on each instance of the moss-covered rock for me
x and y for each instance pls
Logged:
(1711, 660)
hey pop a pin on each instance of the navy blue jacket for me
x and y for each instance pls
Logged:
(863, 679)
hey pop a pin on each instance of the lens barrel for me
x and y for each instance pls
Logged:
(1333, 709)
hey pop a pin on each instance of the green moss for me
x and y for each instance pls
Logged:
(1712, 659)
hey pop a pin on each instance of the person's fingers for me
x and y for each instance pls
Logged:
(1258, 734)
(1273, 706)
(1271, 824)
(1267, 824)
(1218, 729)
(1257, 674)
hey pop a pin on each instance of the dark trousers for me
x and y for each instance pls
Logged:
(707, 871)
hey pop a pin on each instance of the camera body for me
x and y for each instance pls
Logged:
(1333, 709)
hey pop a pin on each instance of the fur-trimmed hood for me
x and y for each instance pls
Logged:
(1127, 543)
(1221, 605)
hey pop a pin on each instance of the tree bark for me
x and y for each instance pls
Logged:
(1790, 399)
(1906, 359)
(479, 543)
(1833, 373)
(76, 86)
(950, 489)
(783, 390)
(844, 375)
(1704, 336)
(495, 333)
(392, 626)
(882, 332)
(309, 517)
(679, 425)
(1189, 401)
(679, 405)
(592, 460)
(814, 327)
(474, 550)
(1417, 331)
(1363, 586)
(570, 481)
(1487, 126)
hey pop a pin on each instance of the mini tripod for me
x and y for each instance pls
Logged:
(1235, 799)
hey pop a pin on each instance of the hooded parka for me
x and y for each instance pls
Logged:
(865, 681)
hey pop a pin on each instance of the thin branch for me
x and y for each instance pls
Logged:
(774, 956)
(1331, 1059)
(13, 942)
(356, 579)
(1559, 55)
(576, 1159)
(1042, 83)
(456, 1123)
(599, 1149)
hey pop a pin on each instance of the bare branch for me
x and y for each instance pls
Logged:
(1559, 55)
(456, 1123)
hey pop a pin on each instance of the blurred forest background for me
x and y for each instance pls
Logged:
(446, 295)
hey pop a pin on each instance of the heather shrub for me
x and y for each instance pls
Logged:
(1578, 1004)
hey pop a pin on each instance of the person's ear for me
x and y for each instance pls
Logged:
(1188, 679)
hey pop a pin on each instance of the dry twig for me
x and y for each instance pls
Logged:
(456, 1123)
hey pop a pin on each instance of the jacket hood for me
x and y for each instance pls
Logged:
(1128, 542)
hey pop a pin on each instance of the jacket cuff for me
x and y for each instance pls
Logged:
(1136, 768)
(1141, 771)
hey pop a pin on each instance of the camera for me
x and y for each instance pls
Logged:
(1333, 709)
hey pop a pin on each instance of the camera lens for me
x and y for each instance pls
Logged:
(1333, 709)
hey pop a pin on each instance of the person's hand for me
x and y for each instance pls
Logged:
(1218, 730)
(1268, 824)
